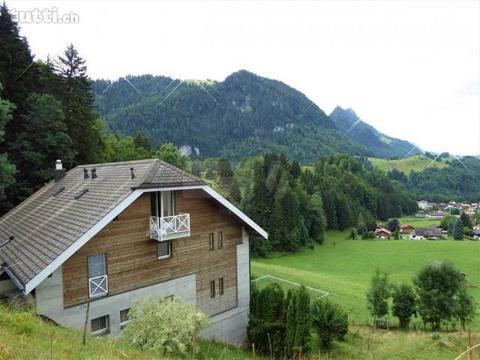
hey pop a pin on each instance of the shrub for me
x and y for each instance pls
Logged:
(404, 304)
(266, 325)
(438, 285)
(165, 326)
(378, 295)
(465, 307)
(330, 321)
(298, 322)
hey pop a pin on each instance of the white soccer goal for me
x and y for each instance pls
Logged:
(265, 280)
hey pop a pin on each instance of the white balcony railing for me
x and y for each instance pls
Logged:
(98, 286)
(169, 227)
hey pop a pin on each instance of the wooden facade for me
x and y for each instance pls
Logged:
(132, 256)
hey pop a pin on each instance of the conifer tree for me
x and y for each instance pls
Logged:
(78, 106)
(7, 170)
(458, 231)
(303, 321)
(235, 194)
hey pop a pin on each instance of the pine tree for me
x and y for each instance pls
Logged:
(46, 141)
(303, 321)
(78, 106)
(361, 226)
(235, 194)
(7, 170)
(291, 322)
(318, 223)
(225, 171)
(458, 231)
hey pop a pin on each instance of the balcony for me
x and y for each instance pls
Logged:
(169, 227)
(98, 286)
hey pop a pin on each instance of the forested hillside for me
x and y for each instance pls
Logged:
(296, 205)
(457, 181)
(380, 145)
(242, 116)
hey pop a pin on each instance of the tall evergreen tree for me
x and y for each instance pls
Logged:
(46, 141)
(78, 106)
(458, 231)
(7, 170)
(234, 193)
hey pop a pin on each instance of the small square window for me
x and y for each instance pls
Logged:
(99, 326)
(124, 317)
(164, 249)
(211, 241)
(220, 286)
(220, 239)
(212, 288)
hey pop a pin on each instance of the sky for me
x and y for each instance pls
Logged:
(409, 68)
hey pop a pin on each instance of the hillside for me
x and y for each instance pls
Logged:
(442, 178)
(243, 115)
(416, 163)
(380, 145)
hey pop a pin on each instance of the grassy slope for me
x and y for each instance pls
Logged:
(344, 267)
(417, 163)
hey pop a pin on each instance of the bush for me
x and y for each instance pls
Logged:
(404, 304)
(165, 326)
(330, 321)
(465, 307)
(377, 296)
(266, 325)
(298, 322)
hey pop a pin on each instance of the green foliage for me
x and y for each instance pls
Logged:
(299, 322)
(170, 154)
(393, 224)
(330, 321)
(465, 309)
(235, 195)
(466, 220)
(7, 170)
(447, 221)
(404, 304)
(378, 295)
(438, 285)
(118, 148)
(166, 327)
(42, 144)
(458, 231)
(266, 325)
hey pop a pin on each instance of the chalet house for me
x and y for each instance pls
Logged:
(108, 234)
(431, 233)
(407, 229)
(382, 233)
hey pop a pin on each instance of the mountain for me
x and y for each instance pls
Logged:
(243, 115)
(380, 145)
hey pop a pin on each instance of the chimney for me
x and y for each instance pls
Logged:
(59, 170)
(94, 173)
(132, 173)
(85, 173)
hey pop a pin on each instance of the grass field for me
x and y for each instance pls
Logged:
(420, 222)
(407, 165)
(344, 267)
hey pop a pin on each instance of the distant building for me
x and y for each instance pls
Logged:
(407, 229)
(423, 204)
(437, 214)
(430, 233)
(382, 233)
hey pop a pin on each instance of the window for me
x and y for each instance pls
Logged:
(163, 203)
(211, 241)
(164, 249)
(220, 239)
(100, 325)
(124, 317)
(220, 286)
(212, 289)
(97, 275)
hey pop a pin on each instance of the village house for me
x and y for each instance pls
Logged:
(407, 229)
(430, 233)
(382, 233)
(109, 234)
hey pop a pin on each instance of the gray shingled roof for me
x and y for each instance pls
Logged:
(51, 220)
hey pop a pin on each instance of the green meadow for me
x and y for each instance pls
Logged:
(345, 267)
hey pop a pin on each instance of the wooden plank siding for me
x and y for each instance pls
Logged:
(132, 257)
